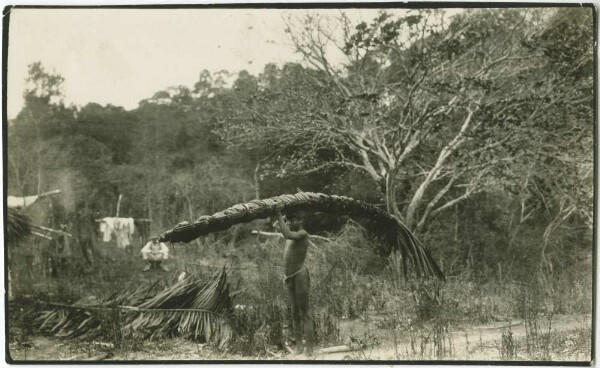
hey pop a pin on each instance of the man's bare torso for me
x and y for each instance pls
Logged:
(294, 254)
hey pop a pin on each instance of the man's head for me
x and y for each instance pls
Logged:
(154, 239)
(296, 220)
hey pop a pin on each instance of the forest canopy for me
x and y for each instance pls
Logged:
(475, 130)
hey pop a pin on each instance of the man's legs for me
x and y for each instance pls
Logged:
(297, 325)
(160, 266)
(302, 288)
(155, 263)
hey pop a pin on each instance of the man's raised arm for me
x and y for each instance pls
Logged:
(285, 230)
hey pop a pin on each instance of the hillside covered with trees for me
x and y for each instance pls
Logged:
(476, 131)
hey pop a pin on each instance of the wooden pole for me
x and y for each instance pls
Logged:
(45, 194)
(51, 230)
(339, 349)
(10, 294)
(41, 235)
(119, 204)
(258, 232)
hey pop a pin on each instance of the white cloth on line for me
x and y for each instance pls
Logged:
(107, 227)
(121, 228)
(131, 225)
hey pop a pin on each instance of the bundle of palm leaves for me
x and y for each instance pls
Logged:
(17, 226)
(393, 233)
(80, 320)
(189, 307)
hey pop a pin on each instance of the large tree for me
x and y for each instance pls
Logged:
(431, 109)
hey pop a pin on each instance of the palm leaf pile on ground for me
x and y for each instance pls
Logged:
(191, 308)
(394, 234)
(17, 226)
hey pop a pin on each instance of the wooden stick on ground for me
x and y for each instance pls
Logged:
(273, 354)
(289, 349)
(338, 349)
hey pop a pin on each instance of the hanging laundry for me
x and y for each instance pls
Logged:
(103, 228)
(107, 227)
(131, 225)
(122, 238)
(123, 230)
(119, 228)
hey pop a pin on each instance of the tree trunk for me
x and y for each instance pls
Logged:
(16, 175)
(148, 207)
(39, 177)
(456, 223)
(256, 182)
(390, 194)
(38, 151)
(191, 211)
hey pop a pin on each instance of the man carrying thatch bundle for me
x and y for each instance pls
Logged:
(155, 252)
(296, 278)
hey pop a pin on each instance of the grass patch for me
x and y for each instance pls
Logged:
(350, 286)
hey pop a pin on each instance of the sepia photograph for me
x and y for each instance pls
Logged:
(366, 183)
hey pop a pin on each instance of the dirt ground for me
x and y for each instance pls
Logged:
(481, 343)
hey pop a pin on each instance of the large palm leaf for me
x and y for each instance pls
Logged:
(199, 311)
(191, 308)
(394, 234)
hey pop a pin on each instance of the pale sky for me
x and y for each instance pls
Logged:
(121, 56)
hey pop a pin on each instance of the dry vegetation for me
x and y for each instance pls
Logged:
(358, 299)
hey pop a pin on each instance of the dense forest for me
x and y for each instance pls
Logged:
(476, 131)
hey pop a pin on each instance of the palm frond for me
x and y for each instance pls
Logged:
(17, 226)
(191, 308)
(394, 234)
